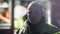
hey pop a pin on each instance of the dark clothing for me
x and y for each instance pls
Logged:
(42, 28)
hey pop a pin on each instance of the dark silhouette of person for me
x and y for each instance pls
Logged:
(36, 22)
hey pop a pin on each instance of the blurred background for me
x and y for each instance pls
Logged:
(5, 14)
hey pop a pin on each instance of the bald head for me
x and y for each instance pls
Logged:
(36, 12)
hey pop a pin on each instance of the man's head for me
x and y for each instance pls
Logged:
(36, 12)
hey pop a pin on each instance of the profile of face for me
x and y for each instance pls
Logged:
(35, 13)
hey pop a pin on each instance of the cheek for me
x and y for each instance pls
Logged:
(6, 14)
(36, 17)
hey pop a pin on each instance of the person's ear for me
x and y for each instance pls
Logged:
(43, 13)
